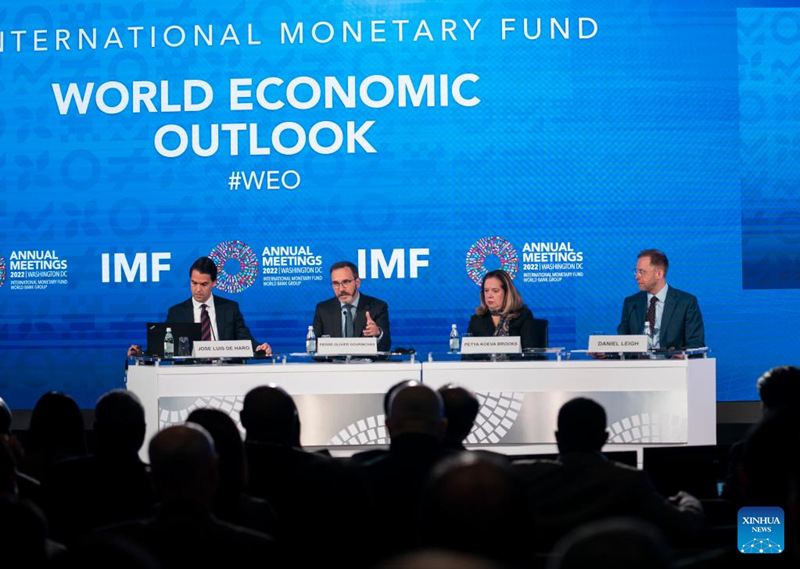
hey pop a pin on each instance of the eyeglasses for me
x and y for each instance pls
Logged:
(340, 284)
(641, 272)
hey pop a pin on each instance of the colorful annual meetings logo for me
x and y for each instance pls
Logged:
(237, 266)
(487, 247)
(760, 530)
(2, 271)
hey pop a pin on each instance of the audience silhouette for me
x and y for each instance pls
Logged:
(779, 391)
(461, 407)
(438, 505)
(56, 432)
(110, 486)
(474, 504)
(319, 500)
(416, 426)
(582, 485)
(232, 503)
(184, 532)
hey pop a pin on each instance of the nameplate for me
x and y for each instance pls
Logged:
(491, 345)
(223, 349)
(347, 346)
(632, 343)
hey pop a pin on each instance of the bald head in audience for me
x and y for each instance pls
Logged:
(184, 464)
(269, 415)
(613, 543)
(418, 409)
(475, 504)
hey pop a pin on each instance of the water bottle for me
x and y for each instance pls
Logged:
(169, 344)
(454, 343)
(649, 333)
(311, 341)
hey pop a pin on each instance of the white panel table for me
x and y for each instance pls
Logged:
(646, 401)
(339, 403)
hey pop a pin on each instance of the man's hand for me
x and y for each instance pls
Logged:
(264, 348)
(371, 328)
(134, 350)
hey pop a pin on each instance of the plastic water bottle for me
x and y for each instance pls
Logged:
(454, 340)
(311, 341)
(169, 344)
(649, 333)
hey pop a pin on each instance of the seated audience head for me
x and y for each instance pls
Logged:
(779, 388)
(57, 426)
(416, 409)
(498, 294)
(119, 425)
(771, 463)
(613, 543)
(461, 407)
(581, 426)
(228, 444)
(475, 504)
(394, 389)
(184, 464)
(5, 418)
(269, 415)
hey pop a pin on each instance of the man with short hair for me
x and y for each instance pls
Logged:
(350, 313)
(320, 501)
(674, 316)
(582, 485)
(183, 532)
(223, 317)
(461, 408)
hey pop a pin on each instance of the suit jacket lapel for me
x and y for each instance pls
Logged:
(219, 317)
(666, 316)
(360, 321)
(335, 318)
(187, 311)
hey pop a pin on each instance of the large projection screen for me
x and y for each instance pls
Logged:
(425, 141)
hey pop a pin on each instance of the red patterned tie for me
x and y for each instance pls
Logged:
(205, 323)
(651, 314)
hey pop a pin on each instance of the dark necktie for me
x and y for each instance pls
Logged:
(348, 321)
(205, 323)
(651, 314)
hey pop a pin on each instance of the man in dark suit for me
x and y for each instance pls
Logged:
(674, 316)
(321, 502)
(221, 318)
(350, 313)
(183, 532)
(584, 486)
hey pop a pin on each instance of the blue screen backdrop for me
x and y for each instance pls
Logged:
(426, 141)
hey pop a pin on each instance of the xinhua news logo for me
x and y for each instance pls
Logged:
(760, 530)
